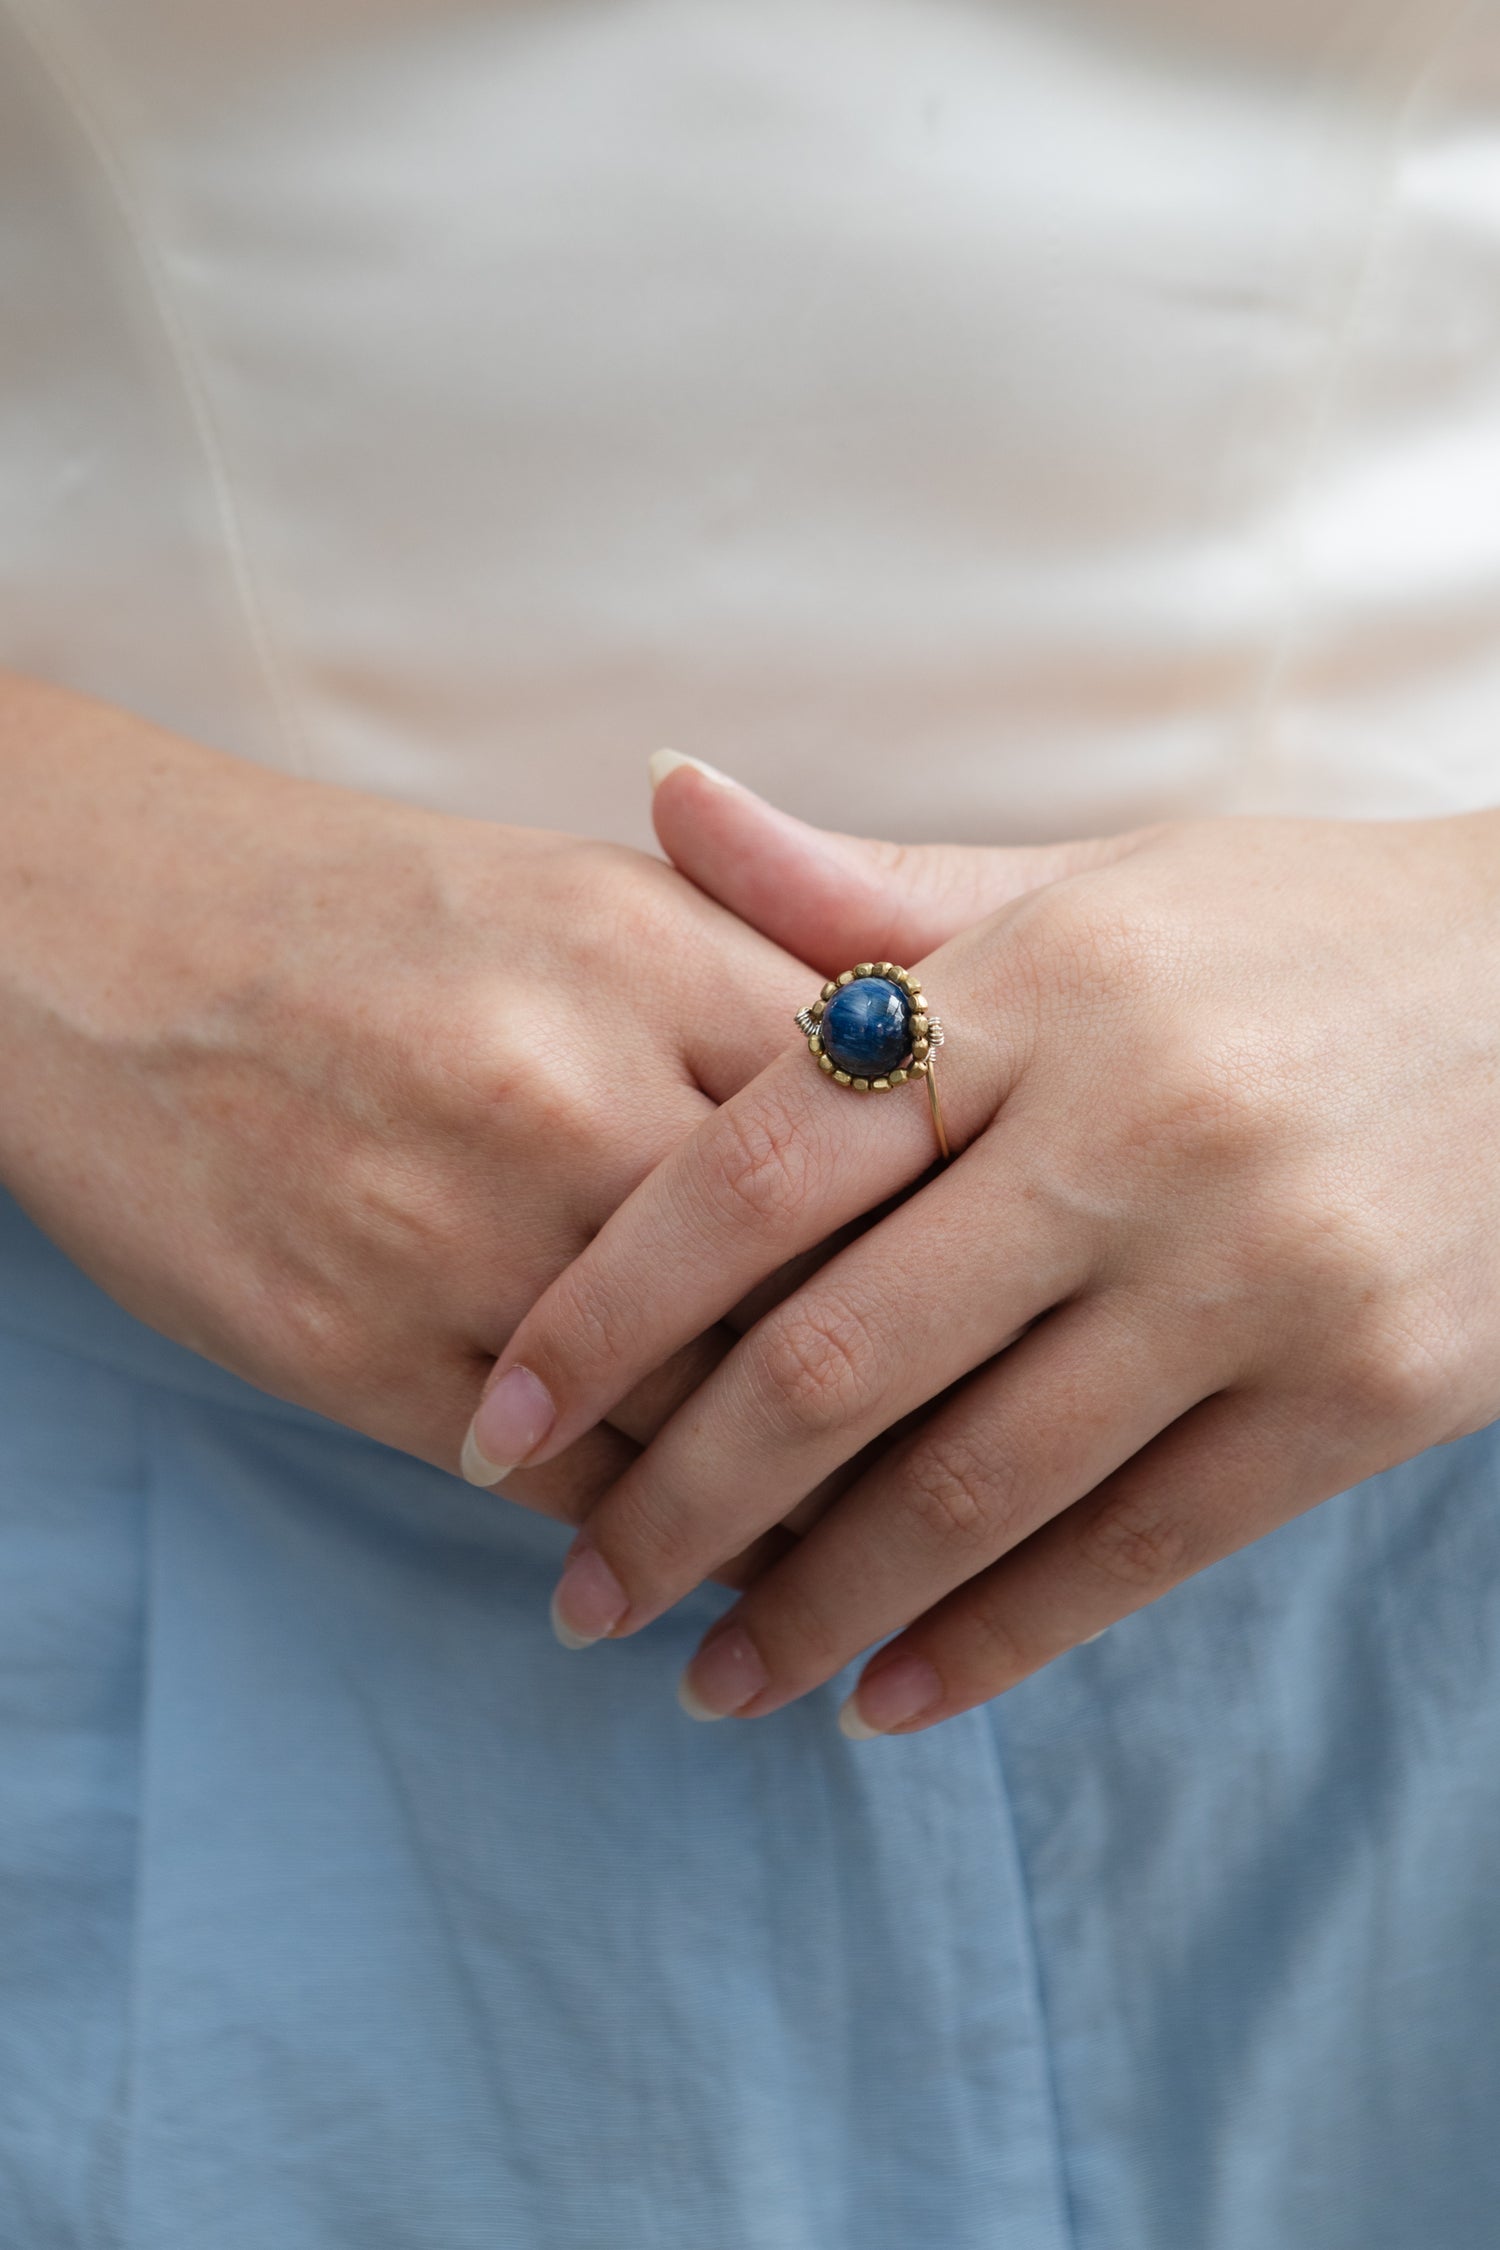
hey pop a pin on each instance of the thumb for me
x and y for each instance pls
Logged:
(831, 899)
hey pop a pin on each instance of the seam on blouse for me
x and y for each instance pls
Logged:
(114, 2214)
(1037, 1982)
(1262, 753)
(134, 1999)
(65, 73)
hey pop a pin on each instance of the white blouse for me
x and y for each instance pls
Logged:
(954, 417)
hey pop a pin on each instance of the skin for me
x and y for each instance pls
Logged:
(1222, 1238)
(329, 1088)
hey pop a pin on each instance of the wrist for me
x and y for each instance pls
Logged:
(123, 866)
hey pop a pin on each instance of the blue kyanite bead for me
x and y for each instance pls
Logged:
(864, 1027)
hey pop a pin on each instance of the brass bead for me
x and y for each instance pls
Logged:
(841, 1078)
(829, 990)
(865, 968)
(919, 1070)
(825, 1062)
(885, 967)
(847, 977)
(817, 1008)
(814, 1044)
(918, 1027)
(919, 1048)
(880, 1085)
(898, 1077)
(861, 1085)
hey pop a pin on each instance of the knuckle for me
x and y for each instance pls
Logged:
(1394, 1373)
(1114, 956)
(556, 1105)
(992, 1657)
(655, 1545)
(609, 899)
(1088, 956)
(313, 1330)
(1382, 1340)
(1318, 1255)
(587, 1318)
(652, 911)
(1216, 1106)
(958, 1497)
(1136, 1544)
(761, 1164)
(495, 1079)
(1210, 1108)
(818, 1366)
(805, 1635)
(894, 858)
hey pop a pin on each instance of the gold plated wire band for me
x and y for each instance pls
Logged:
(920, 1061)
(937, 1115)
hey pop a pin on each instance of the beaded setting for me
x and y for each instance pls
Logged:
(922, 1030)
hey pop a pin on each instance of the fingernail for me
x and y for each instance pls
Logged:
(900, 1690)
(1093, 1636)
(587, 1600)
(511, 1422)
(723, 1676)
(663, 762)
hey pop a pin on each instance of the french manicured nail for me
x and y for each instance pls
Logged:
(511, 1422)
(900, 1690)
(587, 1600)
(723, 1676)
(663, 762)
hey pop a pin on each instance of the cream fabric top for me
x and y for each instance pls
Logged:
(953, 416)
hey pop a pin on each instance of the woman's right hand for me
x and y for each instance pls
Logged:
(329, 1088)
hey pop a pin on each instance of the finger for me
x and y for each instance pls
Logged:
(947, 1282)
(656, 1397)
(762, 1180)
(649, 1406)
(1224, 1475)
(738, 996)
(646, 1410)
(1026, 1438)
(570, 1487)
(589, 1468)
(421, 1421)
(833, 899)
(642, 1413)
(791, 1276)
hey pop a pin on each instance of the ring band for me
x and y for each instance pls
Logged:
(871, 1029)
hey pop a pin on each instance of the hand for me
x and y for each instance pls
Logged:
(329, 1088)
(1223, 1239)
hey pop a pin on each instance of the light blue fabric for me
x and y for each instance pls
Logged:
(340, 1909)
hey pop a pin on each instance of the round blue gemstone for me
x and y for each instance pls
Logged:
(864, 1027)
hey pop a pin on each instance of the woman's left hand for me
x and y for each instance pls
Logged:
(1221, 1239)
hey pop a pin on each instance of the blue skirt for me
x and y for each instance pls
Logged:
(341, 1909)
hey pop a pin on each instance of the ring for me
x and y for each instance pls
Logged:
(871, 1029)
